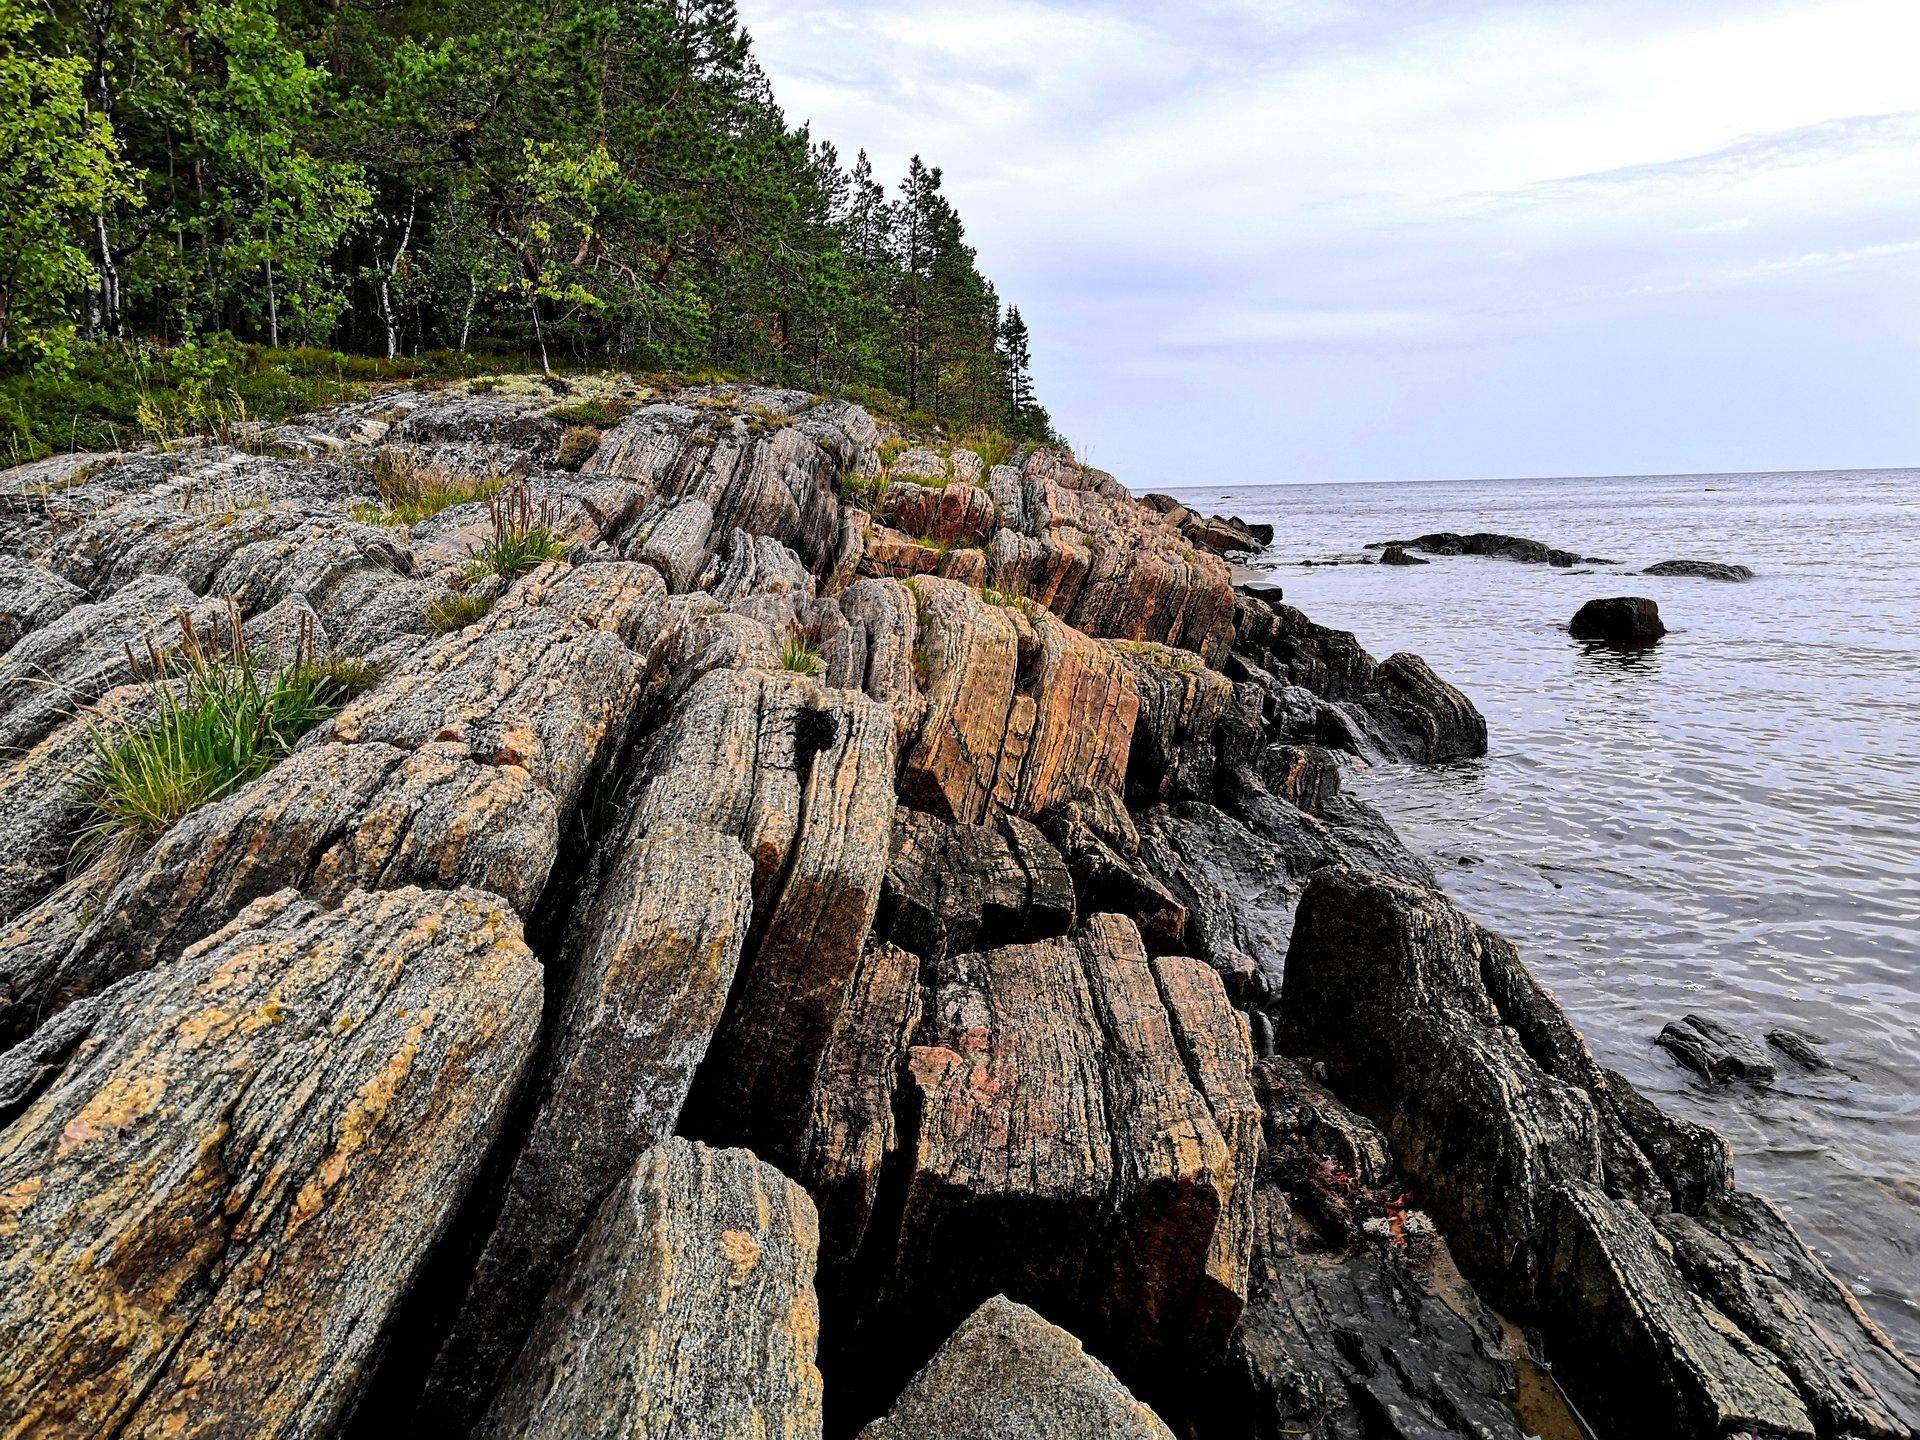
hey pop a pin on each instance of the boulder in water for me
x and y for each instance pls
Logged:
(1622, 621)
(1397, 555)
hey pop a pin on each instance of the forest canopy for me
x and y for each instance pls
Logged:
(577, 181)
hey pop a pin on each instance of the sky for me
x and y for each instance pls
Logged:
(1409, 239)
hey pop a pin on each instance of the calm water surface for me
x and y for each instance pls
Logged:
(1727, 823)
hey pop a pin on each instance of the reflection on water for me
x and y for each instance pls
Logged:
(1727, 821)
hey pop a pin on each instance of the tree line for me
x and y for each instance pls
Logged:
(583, 180)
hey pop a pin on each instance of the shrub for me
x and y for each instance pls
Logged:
(523, 537)
(797, 655)
(458, 610)
(222, 725)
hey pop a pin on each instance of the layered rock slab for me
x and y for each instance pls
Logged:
(687, 1311)
(1008, 1372)
(649, 960)
(217, 1179)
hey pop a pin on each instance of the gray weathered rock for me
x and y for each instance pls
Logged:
(1006, 1372)
(688, 1311)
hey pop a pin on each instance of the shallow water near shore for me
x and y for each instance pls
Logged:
(1728, 822)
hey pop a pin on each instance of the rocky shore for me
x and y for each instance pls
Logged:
(797, 932)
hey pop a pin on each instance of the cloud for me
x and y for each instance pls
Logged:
(1390, 222)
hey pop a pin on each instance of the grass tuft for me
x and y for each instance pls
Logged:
(524, 537)
(458, 610)
(224, 724)
(797, 655)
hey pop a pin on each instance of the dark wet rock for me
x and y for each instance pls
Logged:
(1799, 1047)
(221, 1176)
(1379, 1343)
(1700, 569)
(1744, 1257)
(964, 887)
(688, 1311)
(1714, 1052)
(1398, 555)
(1008, 1373)
(1625, 622)
(1621, 1308)
(1487, 543)
(1403, 709)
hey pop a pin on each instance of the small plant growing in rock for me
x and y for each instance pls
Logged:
(598, 413)
(800, 657)
(577, 443)
(1010, 600)
(866, 491)
(407, 498)
(220, 724)
(524, 537)
(458, 610)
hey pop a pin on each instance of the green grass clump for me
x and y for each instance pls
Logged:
(577, 443)
(406, 502)
(797, 655)
(457, 611)
(524, 537)
(1010, 600)
(598, 413)
(866, 491)
(224, 724)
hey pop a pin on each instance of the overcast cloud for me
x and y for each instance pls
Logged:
(1412, 238)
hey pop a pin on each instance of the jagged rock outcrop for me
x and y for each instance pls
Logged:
(217, 1178)
(1551, 1183)
(1009, 1373)
(952, 837)
(687, 1310)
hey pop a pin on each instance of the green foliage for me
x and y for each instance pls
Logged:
(1010, 600)
(58, 170)
(596, 412)
(523, 537)
(220, 724)
(406, 500)
(797, 655)
(576, 182)
(458, 610)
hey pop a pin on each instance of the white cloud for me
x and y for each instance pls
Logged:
(1247, 188)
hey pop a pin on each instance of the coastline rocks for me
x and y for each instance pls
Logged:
(1622, 622)
(1700, 569)
(1398, 555)
(1714, 1052)
(1496, 546)
(1008, 1373)
(688, 1311)
(217, 1179)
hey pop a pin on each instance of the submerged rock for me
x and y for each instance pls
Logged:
(1488, 543)
(1625, 622)
(1714, 1052)
(1399, 555)
(1700, 569)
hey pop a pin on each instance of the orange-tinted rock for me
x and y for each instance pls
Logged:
(1021, 712)
(220, 1177)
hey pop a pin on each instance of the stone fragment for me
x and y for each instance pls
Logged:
(1714, 1052)
(31, 597)
(649, 960)
(1008, 1373)
(688, 1311)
